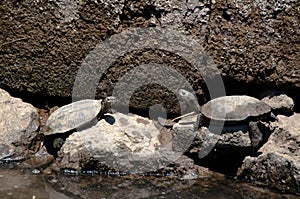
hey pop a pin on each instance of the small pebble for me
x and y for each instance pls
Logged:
(35, 171)
(47, 171)
(53, 180)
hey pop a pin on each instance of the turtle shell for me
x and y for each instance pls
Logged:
(72, 116)
(234, 108)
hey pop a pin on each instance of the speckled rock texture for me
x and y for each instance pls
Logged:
(278, 162)
(130, 143)
(282, 104)
(18, 125)
(43, 44)
(256, 41)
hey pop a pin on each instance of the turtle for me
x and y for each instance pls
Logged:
(232, 111)
(75, 115)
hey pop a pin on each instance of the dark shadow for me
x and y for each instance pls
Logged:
(226, 160)
(109, 119)
(54, 142)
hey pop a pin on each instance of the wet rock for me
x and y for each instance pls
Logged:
(40, 159)
(128, 143)
(187, 169)
(278, 164)
(282, 104)
(18, 125)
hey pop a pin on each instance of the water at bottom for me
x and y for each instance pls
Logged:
(24, 184)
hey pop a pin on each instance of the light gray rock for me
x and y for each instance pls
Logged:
(18, 124)
(130, 143)
(205, 141)
(185, 132)
(278, 165)
(282, 104)
(235, 139)
(179, 14)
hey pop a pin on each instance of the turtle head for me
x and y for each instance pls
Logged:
(109, 99)
(186, 95)
(107, 102)
(190, 99)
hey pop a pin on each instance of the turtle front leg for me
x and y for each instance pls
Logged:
(255, 134)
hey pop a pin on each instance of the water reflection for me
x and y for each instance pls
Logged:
(23, 184)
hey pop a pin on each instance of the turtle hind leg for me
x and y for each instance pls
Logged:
(255, 134)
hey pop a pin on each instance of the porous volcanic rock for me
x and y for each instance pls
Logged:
(44, 44)
(248, 41)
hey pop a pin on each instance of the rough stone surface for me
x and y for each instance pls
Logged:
(252, 42)
(37, 160)
(184, 133)
(205, 141)
(130, 143)
(282, 104)
(18, 125)
(255, 41)
(235, 139)
(278, 165)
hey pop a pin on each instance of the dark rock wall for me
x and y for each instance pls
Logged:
(256, 41)
(252, 42)
(40, 51)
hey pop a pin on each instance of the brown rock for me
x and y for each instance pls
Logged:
(252, 43)
(247, 39)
